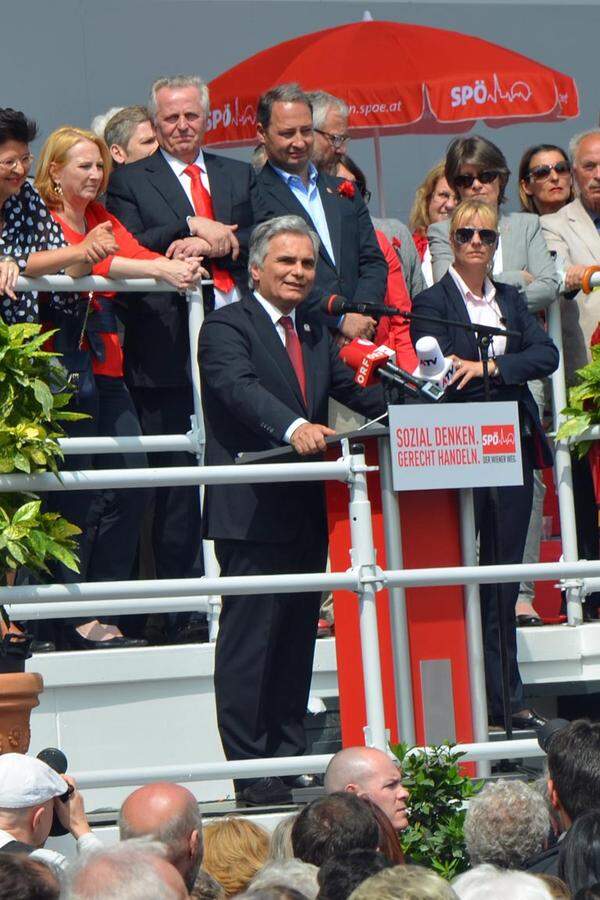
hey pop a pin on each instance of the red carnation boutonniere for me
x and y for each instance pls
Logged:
(347, 189)
(421, 243)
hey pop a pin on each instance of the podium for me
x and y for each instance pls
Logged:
(433, 703)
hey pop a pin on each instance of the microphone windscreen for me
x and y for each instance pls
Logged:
(54, 758)
(431, 358)
(354, 352)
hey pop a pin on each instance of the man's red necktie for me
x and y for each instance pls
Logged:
(203, 207)
(294, 349)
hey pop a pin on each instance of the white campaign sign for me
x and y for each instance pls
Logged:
(455, 445)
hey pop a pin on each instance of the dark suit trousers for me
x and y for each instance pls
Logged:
(264, 652)
(515, 510)
(176, 529)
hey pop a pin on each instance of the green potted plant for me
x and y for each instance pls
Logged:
(438, 793)
(33, 395)
(583, 410)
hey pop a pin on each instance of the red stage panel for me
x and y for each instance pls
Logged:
(430, 537)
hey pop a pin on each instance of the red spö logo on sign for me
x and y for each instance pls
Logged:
(498, 439)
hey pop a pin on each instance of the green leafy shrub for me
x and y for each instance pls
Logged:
(33, 397)
(438, 791)
(584, 404)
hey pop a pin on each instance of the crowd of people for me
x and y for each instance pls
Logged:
(530, 841)
(278, 238)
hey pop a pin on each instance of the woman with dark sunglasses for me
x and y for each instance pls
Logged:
(467, 293)
(476, 168)
(545, 182)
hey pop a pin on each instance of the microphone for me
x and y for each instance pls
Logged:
(56, 759)
(433, 366)
(371, 364)
(339, 306)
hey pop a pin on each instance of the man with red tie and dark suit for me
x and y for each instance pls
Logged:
(350, 262)
(178, 201)
(268, 368)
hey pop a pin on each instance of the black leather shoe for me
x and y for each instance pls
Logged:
(529, 621)
(266, 791)
(528, 719)
(42, 647)
(76, 641)
(295, 782)
(192, 633)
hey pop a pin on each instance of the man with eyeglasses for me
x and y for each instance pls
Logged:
(350, 262)
(330, 126)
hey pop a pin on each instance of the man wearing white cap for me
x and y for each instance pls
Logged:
(30, 791)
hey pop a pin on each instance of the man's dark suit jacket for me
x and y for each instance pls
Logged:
(250, 397)
(531, 355)
(360, 271)
(148, 199)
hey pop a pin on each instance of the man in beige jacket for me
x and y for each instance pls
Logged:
(573, 233)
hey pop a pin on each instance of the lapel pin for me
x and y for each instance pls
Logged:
(307, 327)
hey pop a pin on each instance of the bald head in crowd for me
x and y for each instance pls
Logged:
(167, 813)
(370, 773)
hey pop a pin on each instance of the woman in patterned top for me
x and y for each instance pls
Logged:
(31, 242)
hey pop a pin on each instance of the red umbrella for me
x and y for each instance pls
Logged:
(396, 78)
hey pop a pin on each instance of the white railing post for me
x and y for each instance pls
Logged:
(398, 618)
(574, 589)
(363, 556)
(195, 301)
(473, 628)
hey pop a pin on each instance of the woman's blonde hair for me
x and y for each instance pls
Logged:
(234, 850)
(419, 220)
(55, 150)
(468, 209)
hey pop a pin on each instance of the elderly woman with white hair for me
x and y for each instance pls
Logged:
(506, 823)
(489, 883)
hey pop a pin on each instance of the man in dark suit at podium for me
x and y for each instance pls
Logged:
(350, 262)
(268, 369)
(179, 200)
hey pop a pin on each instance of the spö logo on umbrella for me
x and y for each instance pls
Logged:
(229, 115)
(478, 92)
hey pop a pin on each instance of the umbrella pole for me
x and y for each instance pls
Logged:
(379, 171)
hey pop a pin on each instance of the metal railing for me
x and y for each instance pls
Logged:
(364, 578)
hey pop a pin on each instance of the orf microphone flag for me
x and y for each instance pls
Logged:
(365, 358)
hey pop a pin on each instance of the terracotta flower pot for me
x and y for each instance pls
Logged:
(18, 696)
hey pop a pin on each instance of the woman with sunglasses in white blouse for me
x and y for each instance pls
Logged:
(468, 293)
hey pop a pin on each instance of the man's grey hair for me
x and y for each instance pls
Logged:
(282, 93)
(266, 231)
(506, 823)
(289, 873)
(487, 883)
(120, 127)
(408, 882)
(322, 102)
(577, 139)
(125, 871)
(99, 122)
(179, 81)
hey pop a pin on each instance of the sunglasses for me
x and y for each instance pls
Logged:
(486, 235)
(466, 181)
(540, 173)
